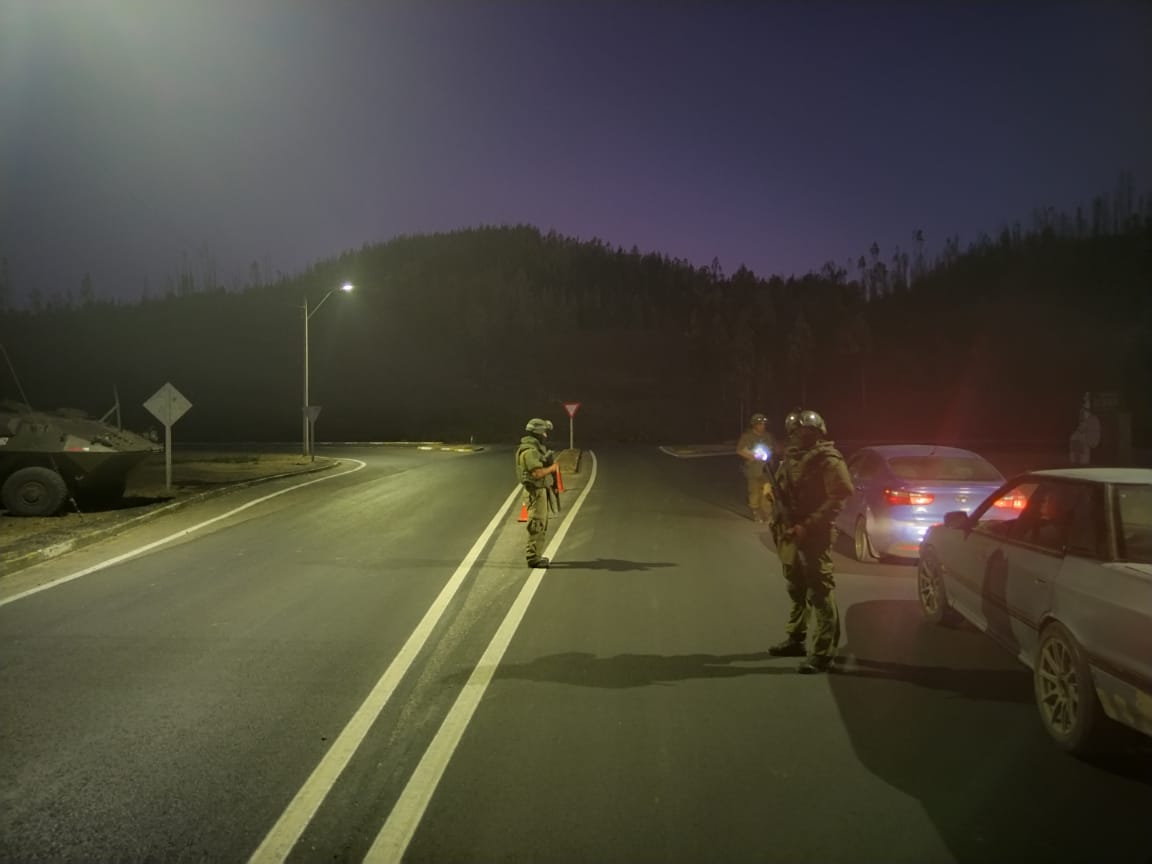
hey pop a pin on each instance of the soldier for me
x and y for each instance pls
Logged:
(814, 483)
(754, 448)
(535, 470)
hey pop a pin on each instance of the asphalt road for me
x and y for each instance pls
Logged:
(362, 667)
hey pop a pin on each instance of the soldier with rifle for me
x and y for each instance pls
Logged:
(810, 487)
(536, 471)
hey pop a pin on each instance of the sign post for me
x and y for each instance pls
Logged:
(167, 405)
(310, 415)
(571, 408)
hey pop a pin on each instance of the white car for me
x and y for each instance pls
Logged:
(1066, 586)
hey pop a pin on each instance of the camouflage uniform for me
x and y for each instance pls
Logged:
(530, 455)
(754, 472)
(815, 483)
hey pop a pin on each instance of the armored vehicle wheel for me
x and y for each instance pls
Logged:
(34, 491)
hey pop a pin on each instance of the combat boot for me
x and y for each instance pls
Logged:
(542, 563)
(788, 648)
(814, 665)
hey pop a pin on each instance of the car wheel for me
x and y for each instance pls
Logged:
(861, 545)
(931, 593)
(34, 491)
(1065, 693)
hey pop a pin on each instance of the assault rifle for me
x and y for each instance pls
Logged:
(783, 511)
(557, 486)
(783, 514)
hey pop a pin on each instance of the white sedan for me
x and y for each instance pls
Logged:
(1066, 586)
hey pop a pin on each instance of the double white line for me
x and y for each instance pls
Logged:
(398, 831)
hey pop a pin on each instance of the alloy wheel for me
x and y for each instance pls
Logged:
(1058, 686)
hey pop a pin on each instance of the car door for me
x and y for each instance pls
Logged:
(1019, 587)
(975, 560)
(1107, 604)
(858, 468)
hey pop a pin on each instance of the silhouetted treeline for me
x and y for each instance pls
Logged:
(469, 333)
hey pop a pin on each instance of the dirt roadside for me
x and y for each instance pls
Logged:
(27, 540)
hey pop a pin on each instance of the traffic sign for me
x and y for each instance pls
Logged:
(571, 408)
(167, 405)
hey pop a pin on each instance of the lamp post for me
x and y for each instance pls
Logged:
(347, 286)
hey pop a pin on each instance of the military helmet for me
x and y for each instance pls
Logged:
(538, 427)
(805, 419)
(758, 418)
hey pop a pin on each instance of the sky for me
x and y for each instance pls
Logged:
(139, 134)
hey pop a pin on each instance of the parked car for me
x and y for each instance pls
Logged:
(1066, 586)
(901, 490)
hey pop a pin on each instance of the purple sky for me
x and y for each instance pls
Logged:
(775, 135)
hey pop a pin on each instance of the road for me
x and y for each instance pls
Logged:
(362, 668)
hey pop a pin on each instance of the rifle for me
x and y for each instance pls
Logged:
(556, 488)
(783, 511)
(783, 514)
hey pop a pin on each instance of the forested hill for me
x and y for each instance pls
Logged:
(469, 333)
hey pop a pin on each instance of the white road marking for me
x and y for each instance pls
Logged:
(701, 452)
(278, 844)
(397, 833)
(184, 533)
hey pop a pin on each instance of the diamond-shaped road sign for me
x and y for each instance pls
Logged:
(167, 405)
(571, 408)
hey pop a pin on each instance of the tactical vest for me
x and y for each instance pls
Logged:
(804, 477)
(529, 444)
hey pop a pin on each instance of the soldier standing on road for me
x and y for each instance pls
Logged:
(754, 448)
(814, 483)
(536, 471)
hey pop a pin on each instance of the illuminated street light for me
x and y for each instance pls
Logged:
(306, 410)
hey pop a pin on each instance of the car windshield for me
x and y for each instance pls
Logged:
(1134, 522)
(944, 468)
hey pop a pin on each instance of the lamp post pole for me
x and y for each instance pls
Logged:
(307, 432)
(304, 407)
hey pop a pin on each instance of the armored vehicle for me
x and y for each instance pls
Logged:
(47, 459)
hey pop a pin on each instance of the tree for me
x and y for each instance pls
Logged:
(800, 353)
(5, 285)
(87, 294)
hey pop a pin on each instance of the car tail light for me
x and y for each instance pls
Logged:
(903, 496)
(1011, 502)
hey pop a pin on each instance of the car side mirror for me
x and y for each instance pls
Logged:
(956, 519)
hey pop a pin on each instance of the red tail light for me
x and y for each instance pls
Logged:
(1011, 502)
(903, 496)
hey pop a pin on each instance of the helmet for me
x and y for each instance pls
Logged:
(758, 418)
(805, 419)
(538, 427)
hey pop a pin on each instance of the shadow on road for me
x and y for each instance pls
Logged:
(640, 670)
(618, 565)
(979, 762)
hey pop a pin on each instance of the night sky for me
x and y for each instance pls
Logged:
(775, 135)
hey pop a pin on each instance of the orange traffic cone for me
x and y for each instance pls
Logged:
(559, 481)
(523, 513)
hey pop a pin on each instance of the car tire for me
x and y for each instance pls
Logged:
(861, 545)
(34, 491)
(1065, 693)
(931, 593)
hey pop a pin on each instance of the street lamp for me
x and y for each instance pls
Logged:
(309, 417)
